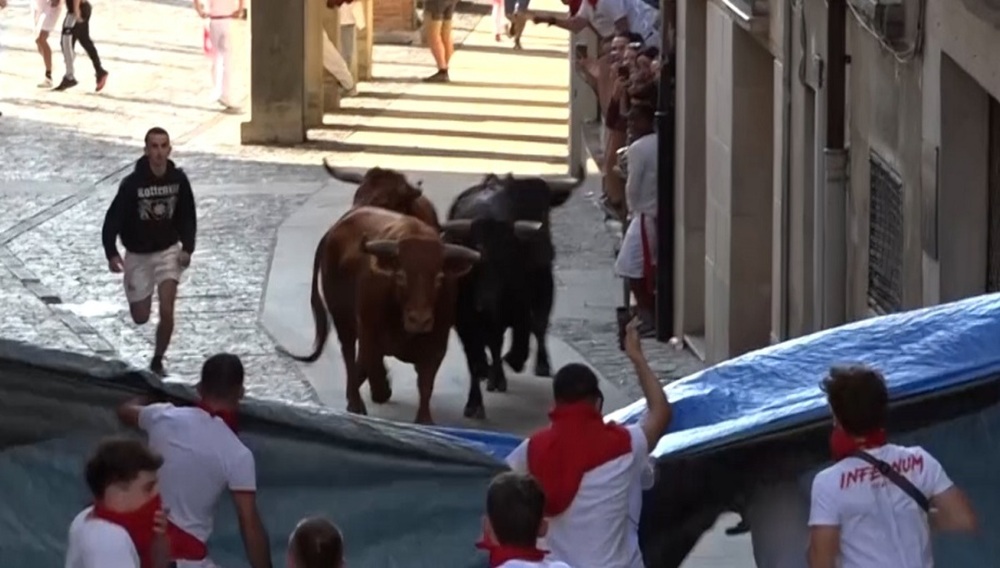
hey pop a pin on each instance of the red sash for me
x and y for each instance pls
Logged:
(577, 441)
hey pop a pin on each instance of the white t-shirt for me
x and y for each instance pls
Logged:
(202, 458)
(641, 185)
(526, 564)
(96, 543)
(641, 17)
(880, 525)
(599, 529)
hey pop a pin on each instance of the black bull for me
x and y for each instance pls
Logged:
(507, 221)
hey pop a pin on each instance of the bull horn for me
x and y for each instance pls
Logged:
(524, 228)
(342, 175)
(381, 248)
(565, 186)
(460, 226)
(460, 253)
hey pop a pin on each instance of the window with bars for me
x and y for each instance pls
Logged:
(885, 238)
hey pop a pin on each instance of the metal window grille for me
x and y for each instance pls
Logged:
(993, 235)
(885, 238)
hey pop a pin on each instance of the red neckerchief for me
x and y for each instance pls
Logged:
(139, 526)
(228, 416)
(574, 6)
(843, 445)
(501, 553)
(577, 441)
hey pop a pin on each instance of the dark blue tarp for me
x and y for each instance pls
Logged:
(404, 496)
(760, 421)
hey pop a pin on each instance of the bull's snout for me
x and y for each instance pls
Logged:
(418, 321)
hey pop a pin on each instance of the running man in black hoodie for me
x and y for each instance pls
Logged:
(154, 214)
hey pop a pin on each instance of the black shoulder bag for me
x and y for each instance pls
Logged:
(897, 478)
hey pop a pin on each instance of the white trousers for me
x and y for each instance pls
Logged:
(334, 63)
(629, 263)
(222, 59)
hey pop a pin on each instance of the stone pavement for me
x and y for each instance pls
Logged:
(62, 155)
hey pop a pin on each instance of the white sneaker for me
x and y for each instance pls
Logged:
(46, 84)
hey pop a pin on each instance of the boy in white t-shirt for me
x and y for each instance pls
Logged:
(861, 517)
(204, 457)
(514, 521)
(121, 476)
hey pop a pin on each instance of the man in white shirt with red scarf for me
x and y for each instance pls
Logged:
(203, 457)
(862, 514)
(593, 472)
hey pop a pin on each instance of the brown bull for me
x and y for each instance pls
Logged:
(388, 283)
(389, 189)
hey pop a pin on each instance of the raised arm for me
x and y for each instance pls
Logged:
(659, 412)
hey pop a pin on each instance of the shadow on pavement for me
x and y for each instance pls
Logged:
(443, 116)
(381, 95)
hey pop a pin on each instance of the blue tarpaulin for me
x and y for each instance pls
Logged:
(919, 352)
(757, 422)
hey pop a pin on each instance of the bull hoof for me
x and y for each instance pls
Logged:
(381, 396)
(357, 408)
(424, 420)
(475, 412)
(542, 369)
(497, 385)
(516, 364)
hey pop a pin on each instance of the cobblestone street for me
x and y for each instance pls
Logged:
(63, 155)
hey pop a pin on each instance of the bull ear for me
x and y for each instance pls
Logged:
(386, 255)
(458, 260)
(524, 229)
(457, 226)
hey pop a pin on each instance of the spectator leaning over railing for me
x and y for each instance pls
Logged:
(875, 506)
(205, 458)
(607, 17)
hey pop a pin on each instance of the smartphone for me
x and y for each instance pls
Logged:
(581, 51)
(623, 316)
(623, 72)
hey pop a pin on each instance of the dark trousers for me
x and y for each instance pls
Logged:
(74, 31)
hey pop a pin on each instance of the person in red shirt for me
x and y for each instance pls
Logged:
(593, 472)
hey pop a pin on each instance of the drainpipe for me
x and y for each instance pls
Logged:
(665, 220)
(832, 202)
(788, 56)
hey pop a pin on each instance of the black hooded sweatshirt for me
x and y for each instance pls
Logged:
(150, 213)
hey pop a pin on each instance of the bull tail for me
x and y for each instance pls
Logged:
(318, 310)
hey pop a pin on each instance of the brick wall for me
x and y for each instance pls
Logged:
(394, 15)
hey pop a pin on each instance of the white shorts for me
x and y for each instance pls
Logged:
(629, 262)
(45, 16)
(144, 272)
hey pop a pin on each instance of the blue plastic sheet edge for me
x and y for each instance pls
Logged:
(777, 387)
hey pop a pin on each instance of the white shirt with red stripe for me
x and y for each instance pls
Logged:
(96, 543)
(599, 529)
(202, 458)
(880, 525)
